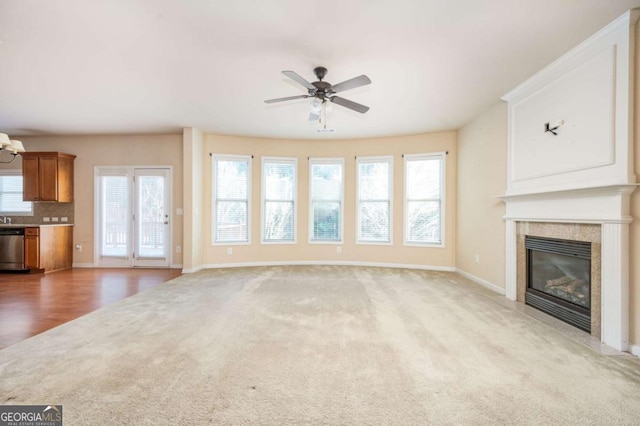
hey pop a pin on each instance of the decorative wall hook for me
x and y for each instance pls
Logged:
(548, 127)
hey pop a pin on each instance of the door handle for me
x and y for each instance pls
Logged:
(166, 222)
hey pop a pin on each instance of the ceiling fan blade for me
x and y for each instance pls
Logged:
(288, 98)
(362, 80)
(294, 76)
(350, 104)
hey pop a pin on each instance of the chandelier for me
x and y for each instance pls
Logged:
(13, 147)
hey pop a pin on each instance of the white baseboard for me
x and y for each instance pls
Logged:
(482, 282)
(91, 265)
(635, 350)
(321, 263)
(192, 270)
(83, 265)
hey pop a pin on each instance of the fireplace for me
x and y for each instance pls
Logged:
(559, 279)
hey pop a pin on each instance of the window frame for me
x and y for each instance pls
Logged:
(263, 201)
(441, 156)
(214, 199)
(369, 160)
(326, 161)
(16, 172)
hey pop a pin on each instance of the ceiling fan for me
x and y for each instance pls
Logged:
(323, 91)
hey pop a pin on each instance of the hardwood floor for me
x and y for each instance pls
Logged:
(33, 303)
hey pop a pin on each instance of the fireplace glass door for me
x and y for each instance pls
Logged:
(561, 276)
(559, 279)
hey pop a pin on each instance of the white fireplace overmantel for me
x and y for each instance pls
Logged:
(604, 204)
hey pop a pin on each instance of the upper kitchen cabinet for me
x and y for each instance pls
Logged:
(47, 176)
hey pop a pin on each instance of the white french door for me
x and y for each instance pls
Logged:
(133, 226)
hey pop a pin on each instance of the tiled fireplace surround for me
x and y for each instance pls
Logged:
(599, 215)
(564, 231)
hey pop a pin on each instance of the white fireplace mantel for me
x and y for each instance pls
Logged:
(607, 206)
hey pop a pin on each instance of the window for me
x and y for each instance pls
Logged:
(424, 187)
(231, 190)
(11, 203)
(326, 192)
(278, 199)
(374, 199)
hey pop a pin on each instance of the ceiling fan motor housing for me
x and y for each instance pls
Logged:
(320, 72)
(323, 89)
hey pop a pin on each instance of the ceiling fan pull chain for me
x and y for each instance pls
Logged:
(324, 112)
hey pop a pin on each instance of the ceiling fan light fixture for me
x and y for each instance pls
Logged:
(12, 147)
(328, 106)
(16, 147)
(316, 105)
(4, 140)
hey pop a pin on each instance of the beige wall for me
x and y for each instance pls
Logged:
(192, 193)
(396, 253)
(139, 150)
(482, 175)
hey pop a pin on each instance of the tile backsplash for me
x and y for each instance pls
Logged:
(50, 210)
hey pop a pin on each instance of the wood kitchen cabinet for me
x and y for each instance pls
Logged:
(47, 176)
(32, 248)
(48, 248)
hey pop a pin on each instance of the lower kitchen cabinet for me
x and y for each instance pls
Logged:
(32, 248)
(48, 248)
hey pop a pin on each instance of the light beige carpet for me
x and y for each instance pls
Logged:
(317, 345)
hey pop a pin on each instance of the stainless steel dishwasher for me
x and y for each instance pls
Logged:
(11, 249)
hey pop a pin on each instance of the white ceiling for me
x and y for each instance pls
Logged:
(156, 66)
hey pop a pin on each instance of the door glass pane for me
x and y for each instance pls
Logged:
(151, 216)
(114, 216)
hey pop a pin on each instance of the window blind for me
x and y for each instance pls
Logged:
(11, 195)
(279, 183)
(326, 200)
(231, 183)
(374, 200)
(423, 202)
